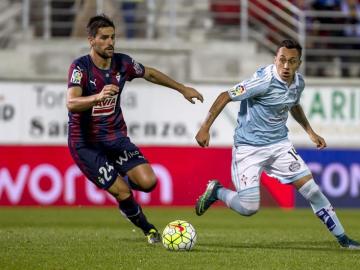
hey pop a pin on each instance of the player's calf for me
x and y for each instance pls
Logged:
(133, 212)
(324, 210)
(147, 187)
(322, 207)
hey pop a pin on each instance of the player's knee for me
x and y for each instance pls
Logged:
(245, 207)
(248, 201)
(250, 210)
(149, 184)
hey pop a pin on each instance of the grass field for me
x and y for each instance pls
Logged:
(98, 238)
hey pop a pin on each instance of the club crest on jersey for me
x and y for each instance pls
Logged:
(237, 90)
(137, 67)
(105, 107)
(118, 76)
(294, 166)
(76, 75)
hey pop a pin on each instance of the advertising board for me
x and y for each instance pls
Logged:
(35, 113)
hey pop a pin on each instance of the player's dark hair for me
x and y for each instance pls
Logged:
(290, 44)
(97, 22)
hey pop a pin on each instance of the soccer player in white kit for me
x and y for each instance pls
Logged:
(261, 141)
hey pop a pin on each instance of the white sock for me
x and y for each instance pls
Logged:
(322, 207)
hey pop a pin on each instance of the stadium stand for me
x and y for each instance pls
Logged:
(192, 33)
(9, 13)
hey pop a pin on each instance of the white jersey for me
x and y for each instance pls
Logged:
(265, 102)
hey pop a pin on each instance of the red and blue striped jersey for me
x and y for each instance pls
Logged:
(104, 121)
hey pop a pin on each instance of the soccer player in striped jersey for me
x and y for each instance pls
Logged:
(97, 136)
(261, 141)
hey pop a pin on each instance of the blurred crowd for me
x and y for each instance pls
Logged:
(69, 18)
(324, 30)
(225, 12)
(349, 8)
(330, 25)
(350, 32)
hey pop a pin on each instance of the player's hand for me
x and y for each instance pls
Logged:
(203, 137)
(109, 90)
(190, 93)
(318, 140)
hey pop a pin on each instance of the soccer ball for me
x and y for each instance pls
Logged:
(179, 235)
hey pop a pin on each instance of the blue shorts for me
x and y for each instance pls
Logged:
(102, 162)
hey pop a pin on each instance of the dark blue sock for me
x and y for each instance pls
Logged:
(132, 210)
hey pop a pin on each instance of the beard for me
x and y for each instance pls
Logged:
(104, 54)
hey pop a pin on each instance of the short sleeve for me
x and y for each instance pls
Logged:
(237, 91)
(256, 85)
(76, 75)
(133, 68)
(248, 89)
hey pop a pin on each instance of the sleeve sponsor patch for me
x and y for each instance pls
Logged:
(237, 90)
(76, 76)
(137, 67)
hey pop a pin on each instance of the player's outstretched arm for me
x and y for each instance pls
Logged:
(300, 117)
(203, 135)
(155, 76)
(75, 102)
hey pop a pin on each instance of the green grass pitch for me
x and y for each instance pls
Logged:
(99, 238)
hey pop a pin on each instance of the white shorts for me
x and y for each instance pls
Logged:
(279, 160)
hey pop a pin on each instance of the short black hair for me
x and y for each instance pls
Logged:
(290, 44)
(97, 22)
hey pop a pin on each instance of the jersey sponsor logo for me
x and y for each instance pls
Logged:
(76, 75)
(126, 156)
(137, 67)
(118, 76)
(237, 90)
(105, 107)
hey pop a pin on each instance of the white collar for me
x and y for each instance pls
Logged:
(277, 76)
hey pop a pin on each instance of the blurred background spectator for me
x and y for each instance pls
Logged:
(88, 8)
(62, 13)
(130, 9)
(327, 29)
(351, 10)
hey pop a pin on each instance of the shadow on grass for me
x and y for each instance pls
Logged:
(283, 245)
